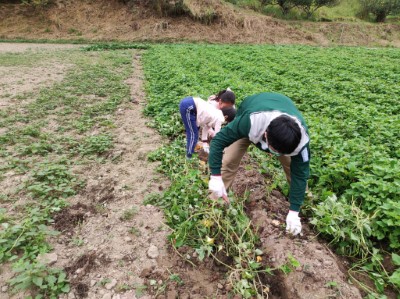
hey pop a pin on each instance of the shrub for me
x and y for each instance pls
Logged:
(310, 6)
(379, 8)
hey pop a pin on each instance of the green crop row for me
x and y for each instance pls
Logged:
(350, 100)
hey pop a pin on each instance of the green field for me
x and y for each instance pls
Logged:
(350, 99)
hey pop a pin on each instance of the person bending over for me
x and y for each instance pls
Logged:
(272, 123)
(197, 113)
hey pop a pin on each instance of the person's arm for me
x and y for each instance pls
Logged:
(235, 130)
(204, 133)
(299, 172)
(217, 127)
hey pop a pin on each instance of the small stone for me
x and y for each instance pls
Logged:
(4, 288)
(47, 258)
(106, 296)
(220, 286)
(128, 239)
(93, 282)
(146, 272)
(71, 295)
(328, 263)
(129, 295)
(78, 270)
(275, 222)
(172, 294)
(111, 284)
(116, 296)
(152, 252)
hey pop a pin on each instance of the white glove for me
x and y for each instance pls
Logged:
(206, 147)
(217, 187)
(293, 224)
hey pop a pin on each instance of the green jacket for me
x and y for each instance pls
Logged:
(252, 119)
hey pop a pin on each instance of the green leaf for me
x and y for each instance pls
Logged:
(38, 281)
(65, 289)
(396, 259)
(254, 265)
(51, 279)
(258, 252)
(200, 251)
(395, 278)
(61, 277)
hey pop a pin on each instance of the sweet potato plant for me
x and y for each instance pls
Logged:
(349, 97)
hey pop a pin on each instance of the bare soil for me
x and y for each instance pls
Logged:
(319, 267)
(112, 20)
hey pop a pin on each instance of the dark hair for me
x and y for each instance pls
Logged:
(226, 96)
(284, 134)
(229, 113)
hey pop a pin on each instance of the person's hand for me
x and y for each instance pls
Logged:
(212, 97)
(217, 188)
(293, 224)
(211, 133)
(206, 147)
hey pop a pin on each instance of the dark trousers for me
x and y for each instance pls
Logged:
(188, 112)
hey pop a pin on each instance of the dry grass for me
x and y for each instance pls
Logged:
(212, 21)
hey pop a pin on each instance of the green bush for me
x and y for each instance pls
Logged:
(311, 6)
(379, 8)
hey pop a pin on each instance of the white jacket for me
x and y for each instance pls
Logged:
(208, 117)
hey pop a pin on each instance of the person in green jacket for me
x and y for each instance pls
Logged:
(273, 124)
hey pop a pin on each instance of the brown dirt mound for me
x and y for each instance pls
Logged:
(318, 267)
(102, 191)
(68, 218)
(86, 262)
(113, 20)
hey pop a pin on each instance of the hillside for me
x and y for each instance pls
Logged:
(113, 20)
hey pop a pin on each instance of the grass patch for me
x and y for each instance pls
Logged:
(90, 93)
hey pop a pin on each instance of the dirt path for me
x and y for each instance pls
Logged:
(123, 236)
(23, 47)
